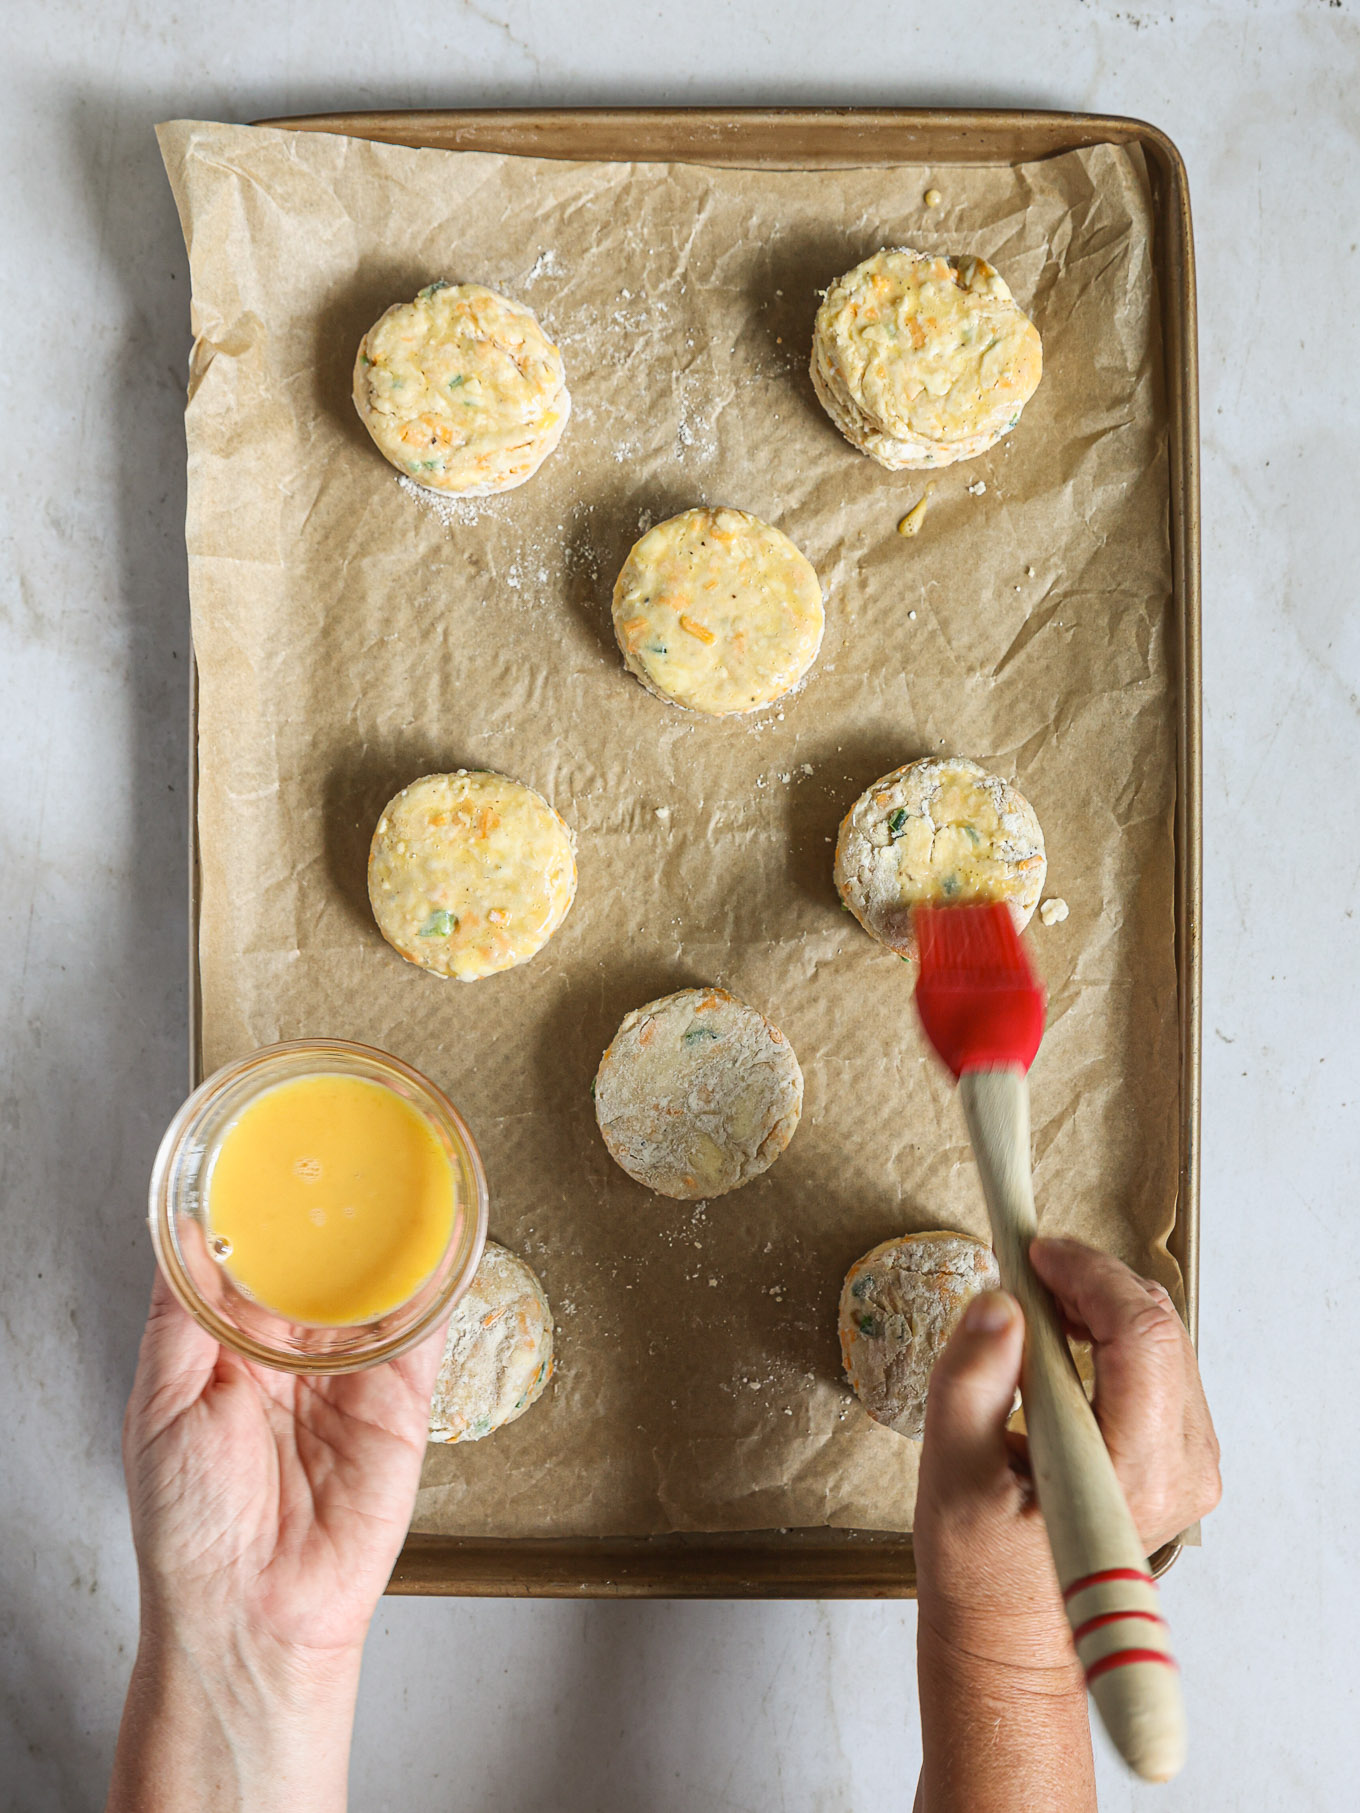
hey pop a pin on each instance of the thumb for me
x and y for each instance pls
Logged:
(174, 1364)
(972, 1388)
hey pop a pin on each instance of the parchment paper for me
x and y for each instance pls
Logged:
(351, 636)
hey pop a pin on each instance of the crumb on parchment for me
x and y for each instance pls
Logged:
(911, 522)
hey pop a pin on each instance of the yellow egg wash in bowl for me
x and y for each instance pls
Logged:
(318, 1206)
(330, 1200)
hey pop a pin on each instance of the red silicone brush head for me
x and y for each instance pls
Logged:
(979, 1001)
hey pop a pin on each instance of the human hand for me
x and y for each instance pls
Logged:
(272, 1502)
(986, 1575)
(1003, 1703)
(267, 1511)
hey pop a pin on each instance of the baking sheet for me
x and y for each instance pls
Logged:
(349, 638)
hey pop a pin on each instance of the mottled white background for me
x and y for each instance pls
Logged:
(671, 1708)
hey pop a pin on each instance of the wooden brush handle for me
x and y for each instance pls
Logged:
(1122, 1640)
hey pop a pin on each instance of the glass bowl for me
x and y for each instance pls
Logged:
(179, 1213)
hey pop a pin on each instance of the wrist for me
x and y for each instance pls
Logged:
(1004, 1722)
(1017, 1649)
(224, 1723)
(248, 1668)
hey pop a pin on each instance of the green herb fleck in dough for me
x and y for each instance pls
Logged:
(433, 289)
(440, 924)
(972, 834)
(897, 819)
(868, 1325)
(697, 1034)
(592, 1089)
(456, 381)
(951, 886)
(861, 1287)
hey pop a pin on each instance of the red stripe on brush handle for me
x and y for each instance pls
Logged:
(1084, 1630)
(1109, 1573)
(1121, 1659)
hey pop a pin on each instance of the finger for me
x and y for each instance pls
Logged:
(415, 1371)
(1149, 1397)
(1017, 1450)
(1140, 1353)
(972, 1388)
(1094, 1289)
(394, 1396)
(420, 1366)
(175, 1361)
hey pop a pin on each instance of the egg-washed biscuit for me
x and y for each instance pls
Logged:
(897, 455)
(939, 830)
(899, 1305)
(922, 360)
(717, 611)
(697, 1094)
(498, 1356)
(461, 390)
(469, 873)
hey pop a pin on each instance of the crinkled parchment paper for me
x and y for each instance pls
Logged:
(351, 635)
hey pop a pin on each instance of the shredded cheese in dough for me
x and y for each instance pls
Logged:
(937, 830)
(697, 1093)
(498, 1353)
(717, 611)
(899, 1305)
(922, 360)
(470, 873)
(461, 389)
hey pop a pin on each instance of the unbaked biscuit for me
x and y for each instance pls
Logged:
(899, 1305)
(461, 390)
(697, 1094)
(922, 360)
(498, 1356)
(469, 873)
(716, 611)
(939, 830)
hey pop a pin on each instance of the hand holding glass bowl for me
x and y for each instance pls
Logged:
(365, 1272)
(268, 1506)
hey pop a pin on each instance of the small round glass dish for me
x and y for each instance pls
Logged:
(183, 1238)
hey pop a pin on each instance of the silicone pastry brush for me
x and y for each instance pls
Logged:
(983, 1011)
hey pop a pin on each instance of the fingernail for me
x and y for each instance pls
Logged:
(988, 1314)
